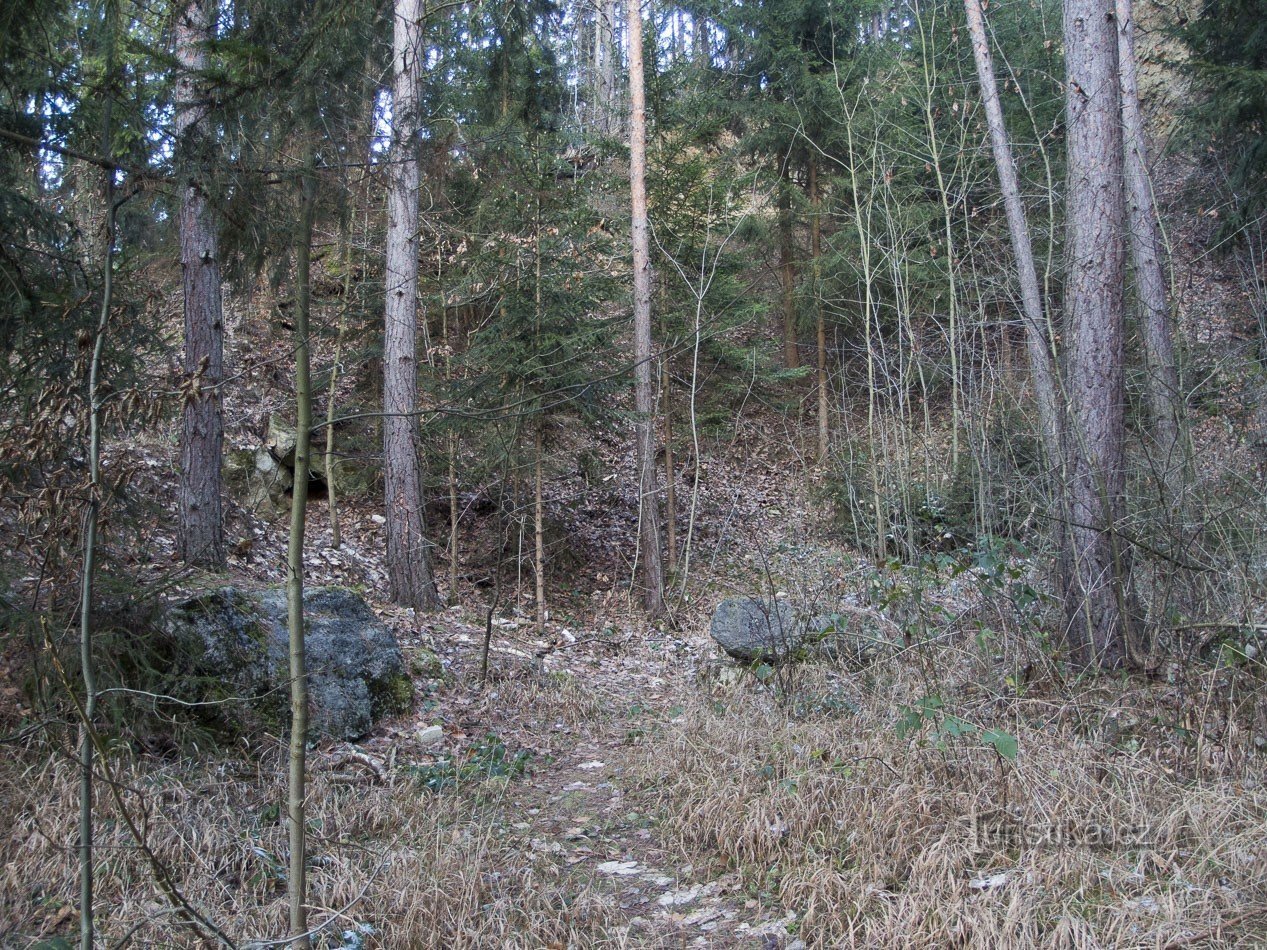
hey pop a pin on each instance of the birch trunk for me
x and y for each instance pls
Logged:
(652, 573)
(410, 581)
(200, 535)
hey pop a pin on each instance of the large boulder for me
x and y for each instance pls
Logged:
(753, 628)
(235, 642)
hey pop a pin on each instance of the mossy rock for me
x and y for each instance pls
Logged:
(236, 641)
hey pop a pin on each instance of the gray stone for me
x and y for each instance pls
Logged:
(351, 476)
(235, 642)
(431, 735)
(752, 629)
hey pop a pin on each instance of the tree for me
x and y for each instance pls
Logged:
(1095, 566)
(201, 528)
(603, 85)
(652, 573)
(410, 580)
(297, 872)
(1148, 263)
(1038, 336)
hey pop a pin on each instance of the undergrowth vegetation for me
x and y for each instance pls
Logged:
(890, 812)
(395, 863)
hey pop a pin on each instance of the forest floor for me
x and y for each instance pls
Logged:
(614, 784)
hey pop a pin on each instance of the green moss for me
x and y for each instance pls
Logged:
(392, 696)
(426, 664)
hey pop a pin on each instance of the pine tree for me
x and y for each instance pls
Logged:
(201, 528)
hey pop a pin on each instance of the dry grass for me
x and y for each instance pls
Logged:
(426, 870)
(867, 837)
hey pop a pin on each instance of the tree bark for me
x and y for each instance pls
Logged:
(652, 572)
(1148, 262)
(87, 659)
(539, 532)
(332, 494)
(1038, 336)
(410, 580)
(604, 109)
(820, 319)
(1095, 565)
(670, 465)
(787, 274)
(200, 534)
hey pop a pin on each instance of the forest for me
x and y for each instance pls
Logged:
(678, 473)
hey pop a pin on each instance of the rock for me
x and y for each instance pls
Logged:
(853, 636)
(280, 440)
(430, 735)
(351, 476)
(751, 628)
(235, 642)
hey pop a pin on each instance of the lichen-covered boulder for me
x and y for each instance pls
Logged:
(753, 628)
(235, 642)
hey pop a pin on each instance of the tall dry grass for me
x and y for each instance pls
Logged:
(423, 869)
(867, 837)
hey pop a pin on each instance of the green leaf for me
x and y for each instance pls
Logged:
(1004, 743)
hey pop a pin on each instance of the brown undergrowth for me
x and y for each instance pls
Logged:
(393, 865)
(882, 818)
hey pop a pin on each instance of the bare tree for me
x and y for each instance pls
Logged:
(1148, 262)
(410, 581)
(1095, 564)
(1038, 336)
(201, 529)
(652, 572)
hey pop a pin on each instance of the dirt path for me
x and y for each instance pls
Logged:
(580, 809)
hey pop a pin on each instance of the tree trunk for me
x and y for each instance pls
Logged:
(1148, 262)
(605, 66)
(87, 659)
(410, 580)
(652, 574)
(200, 535)
(297, 873)
(1038, 336)
(1095, 564)
(820, 319)
(332, 494)
(787, 274)
(454, 518)
(670, 466)
(539, 531)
